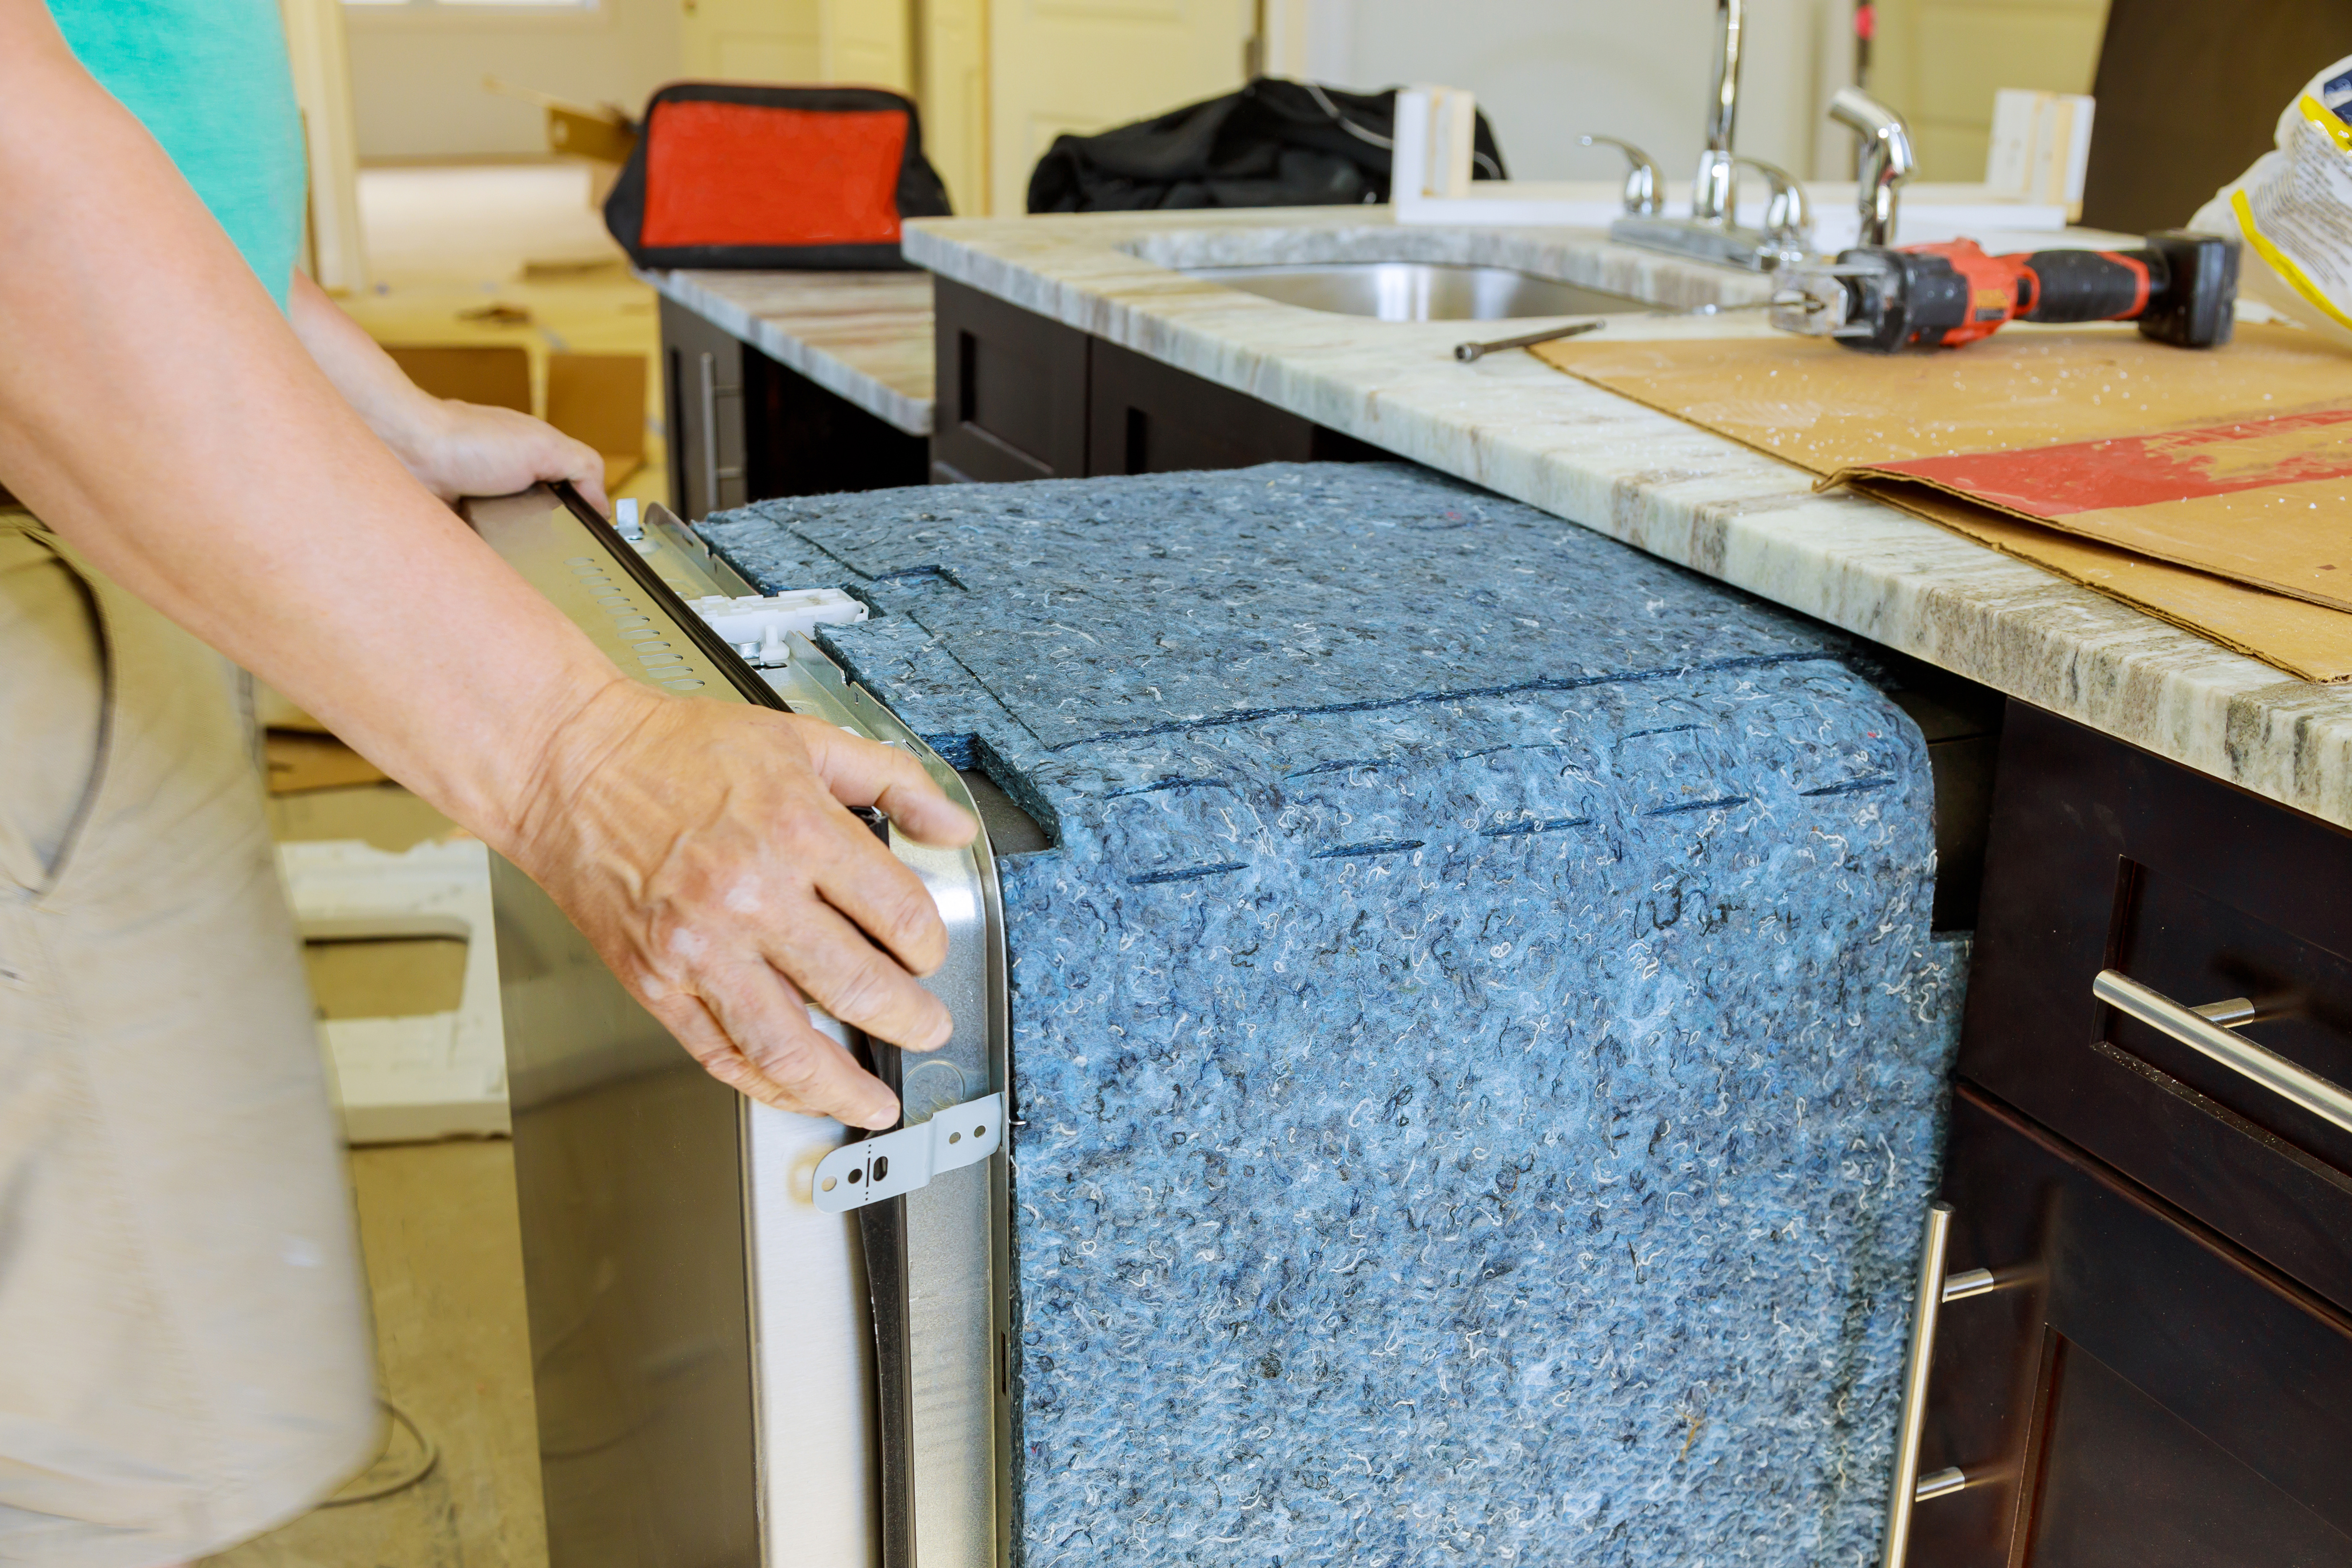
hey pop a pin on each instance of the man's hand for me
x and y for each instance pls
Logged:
(459, 449)
(453, 450)
(705, 851)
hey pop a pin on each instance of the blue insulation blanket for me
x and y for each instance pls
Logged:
(1479, 1037)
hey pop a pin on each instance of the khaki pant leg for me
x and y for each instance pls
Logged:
(52, 695)
(184, 1349)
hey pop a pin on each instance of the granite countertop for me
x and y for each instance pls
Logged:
(864, 336)
(1516, 426)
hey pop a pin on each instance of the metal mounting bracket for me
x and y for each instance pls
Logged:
(874, 1168)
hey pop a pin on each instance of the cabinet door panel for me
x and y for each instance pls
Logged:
(1011, 390)
(2103, 857)
(2136, 1392)
(2131, 1485)
(1145, 418)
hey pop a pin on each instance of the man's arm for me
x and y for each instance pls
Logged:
(158, 413)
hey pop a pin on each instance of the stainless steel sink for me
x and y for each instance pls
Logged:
(1418, 290)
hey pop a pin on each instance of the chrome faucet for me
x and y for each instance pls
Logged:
(1715, 193)
(1887, 160)
(1788, 214)
(1640, 175)
(1713, 232)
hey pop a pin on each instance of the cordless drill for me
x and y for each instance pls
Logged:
(2181, 288)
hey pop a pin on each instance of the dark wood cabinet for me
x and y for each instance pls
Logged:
(2136, 1392)
(1025, 397)
(1011, 390)
(2103, 857)
(743, 427)
(2162, 1374)
(1145, 418)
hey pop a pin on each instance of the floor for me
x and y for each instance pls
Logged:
(437, 1221)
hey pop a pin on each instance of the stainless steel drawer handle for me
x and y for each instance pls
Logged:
(709, 368)
(2203, 1029)
(1926, 1303)
(712, 473)
(1934, 1287)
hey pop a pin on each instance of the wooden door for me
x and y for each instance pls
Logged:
(950, 49)
(702, 384)
(749, 40)
(866, 42)
(1146, 417)
(1082, 66)
(1940, 61)
(1012, 391)
(335, 246)
(859, 43)
(2103, 857)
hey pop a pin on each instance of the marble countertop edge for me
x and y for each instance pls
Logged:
(801, 347)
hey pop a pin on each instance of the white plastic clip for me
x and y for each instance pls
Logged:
(759, 627)
(866, 1172)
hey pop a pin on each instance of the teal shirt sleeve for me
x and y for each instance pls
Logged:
(210, 80)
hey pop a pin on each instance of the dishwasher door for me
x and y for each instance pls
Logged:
(718, 1381)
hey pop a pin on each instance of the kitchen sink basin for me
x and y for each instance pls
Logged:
(1417, 290)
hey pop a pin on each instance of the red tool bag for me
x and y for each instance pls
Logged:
(814, 177)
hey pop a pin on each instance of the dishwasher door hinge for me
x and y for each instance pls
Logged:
(874, 1168)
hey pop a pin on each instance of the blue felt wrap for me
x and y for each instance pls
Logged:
(1479, 1041)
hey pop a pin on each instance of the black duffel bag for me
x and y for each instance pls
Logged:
(1275, 143)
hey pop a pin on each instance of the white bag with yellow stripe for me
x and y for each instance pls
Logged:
(2292, 212)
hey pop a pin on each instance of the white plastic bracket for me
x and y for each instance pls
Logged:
(874, 1168)
(761, 629)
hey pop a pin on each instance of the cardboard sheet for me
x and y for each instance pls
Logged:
(2304, 639)
(2202, 487)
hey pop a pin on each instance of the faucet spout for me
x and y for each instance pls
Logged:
(1715, 191)
(1887, 160)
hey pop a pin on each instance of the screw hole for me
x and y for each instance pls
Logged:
(856, 1175)
(830, 1183)
(980, 1131)
(955, 1137)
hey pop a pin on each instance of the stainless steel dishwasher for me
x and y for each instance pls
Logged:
(725, 1371)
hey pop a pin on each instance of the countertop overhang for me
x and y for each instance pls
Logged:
(862, 336)
(1517, 427)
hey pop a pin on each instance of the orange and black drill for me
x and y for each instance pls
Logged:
(2182, 287)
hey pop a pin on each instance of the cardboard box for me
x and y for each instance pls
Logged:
(497, 374)
(601, 399)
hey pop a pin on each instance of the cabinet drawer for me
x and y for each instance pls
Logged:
(2104, 859)
(2134, 1393)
